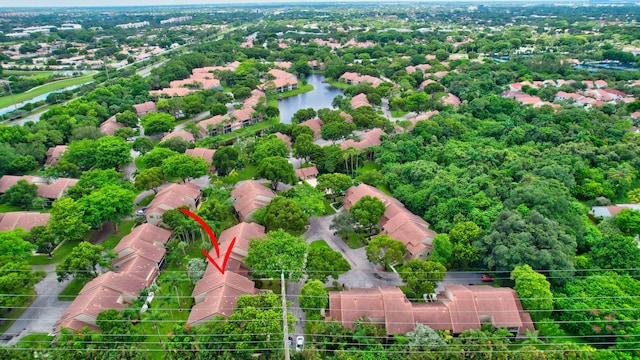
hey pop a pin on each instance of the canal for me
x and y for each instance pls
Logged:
(321, 97)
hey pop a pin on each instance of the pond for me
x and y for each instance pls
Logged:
(321, 97)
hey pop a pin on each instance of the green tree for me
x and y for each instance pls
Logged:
(305, 147)
(196, 268)
(334, 184)
(421, 276)
(343, 224)
(385, 251)
(313, 297)
(282, 213)
(110, 203)
(225, 159)
(307, 198)
(268, 146)
(532, 239)
(367, 211)
(127, 118)
(424, 338)
(534, 291)
(442, 250)
(155, 157)
(13, 243)
(20, 194)
(277, 251)
(142, 145)
(124, 133)
(96, 179)
(81, 153)
(43, 239)
(17, 280)
(157, 123)
(112, 152)
(176, 144)
(336, 130)
(628, 221)
(276, 169)
(67, 221)
(150, 179)
(616, 252)
(462, 236)
(322, 262)
(184, 166)
(81, 262)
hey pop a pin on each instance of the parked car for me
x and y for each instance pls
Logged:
(486, 278)
(299, 343)
(140, 212)
(290, 342)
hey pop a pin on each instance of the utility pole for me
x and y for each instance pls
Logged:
(285, 326)
(106, 68)
(13, 99)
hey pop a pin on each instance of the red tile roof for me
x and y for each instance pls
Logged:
(242, 232)
(54, 154)
(25, 220)
(181, 134)
(305, 173)
(313, 124)
(204, 153)
(359, 100)
(250, 196)
(458, 308)
(368, 139)
(285, 138)
(110, 126)
(144, 108)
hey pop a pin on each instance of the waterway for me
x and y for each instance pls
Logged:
(35, 99)
(320, 97)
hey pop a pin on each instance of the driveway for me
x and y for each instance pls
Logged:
(363, 274)
(45, 310)
(461, 278)
(293, 291)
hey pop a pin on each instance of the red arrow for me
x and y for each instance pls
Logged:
(214, 241)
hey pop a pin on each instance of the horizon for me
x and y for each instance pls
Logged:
(47, 4)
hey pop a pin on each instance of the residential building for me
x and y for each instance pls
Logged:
(397, 221)
(368, 139)
(249, 197)
(54, 154)
(22, 219)
(457, 308)
(359, 100)
(315, 125)
(203, 153)
(142, 252)
(285, 138)
(52, 190)
(145, 108)
(612, 210)
(172, 197)
(184, 135)
(109, 126)
(307, 173)
(352, 78)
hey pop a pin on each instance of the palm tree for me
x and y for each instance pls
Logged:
(532, 337)
(193, 129)
(634, 196)
(153, 316)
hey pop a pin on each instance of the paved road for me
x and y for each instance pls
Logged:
(293, 291)
(45, 310)
(363, 274)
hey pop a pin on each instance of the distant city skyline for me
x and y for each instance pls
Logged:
(114, 3)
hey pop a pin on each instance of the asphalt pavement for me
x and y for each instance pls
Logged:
(45, 310)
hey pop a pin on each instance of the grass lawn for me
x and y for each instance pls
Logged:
(8, 208)
(73, 288)
(355, 241)
(251, 129)
(43, 89)
(273, 285)
(146, 201)
(8, 318)
(368, 166)
(318, 244)
(398, 113)
(58, 255)
(328, 210)
(301, 90)
(123, 230)
(35, 340)
(247, 173)
(338, 84)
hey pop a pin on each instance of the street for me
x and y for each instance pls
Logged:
(45, 310)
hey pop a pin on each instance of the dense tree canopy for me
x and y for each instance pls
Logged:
(278, 251)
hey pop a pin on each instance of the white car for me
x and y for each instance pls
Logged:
(299, 343)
